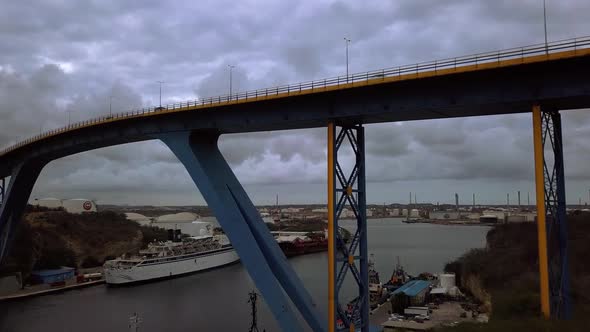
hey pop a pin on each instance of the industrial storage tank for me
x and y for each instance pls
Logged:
(186, 222)
(178, 217)
(447, 280)
(516, 218)
(49, 202)
(415, 213)
(395, 212)
(404, 212)
(138, 218)
(79, 205)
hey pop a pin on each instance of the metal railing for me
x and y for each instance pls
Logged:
(309, 86)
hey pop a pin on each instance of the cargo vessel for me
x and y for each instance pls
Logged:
(296, 245)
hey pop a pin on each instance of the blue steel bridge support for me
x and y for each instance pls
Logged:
(14, 200)
(350, 258)
(2, 186)
(258, 250)
(556, 217)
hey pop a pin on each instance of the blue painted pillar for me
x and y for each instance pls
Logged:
(363, 286)
(258, 250)
(560, 297)
(15, 199)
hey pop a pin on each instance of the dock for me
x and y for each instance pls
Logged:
(448, 313)
(45, 290)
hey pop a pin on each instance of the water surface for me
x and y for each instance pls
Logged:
(216, 300)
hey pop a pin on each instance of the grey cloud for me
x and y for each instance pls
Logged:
(60, 58)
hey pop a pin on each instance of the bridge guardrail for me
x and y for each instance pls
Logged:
(449, 63)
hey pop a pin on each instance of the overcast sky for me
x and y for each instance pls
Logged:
(61, 61)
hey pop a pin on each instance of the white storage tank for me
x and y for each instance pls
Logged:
(49, 202)
(447, 280)
(79, 205)
(404, 212)
(415, 213)
(395, 212)
(138, 218)
(178, 217)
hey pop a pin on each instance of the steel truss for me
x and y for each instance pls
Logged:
(351, 257)
(2, 188)
(556, 217)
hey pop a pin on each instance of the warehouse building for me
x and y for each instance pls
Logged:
(416, 290)
(53, 276)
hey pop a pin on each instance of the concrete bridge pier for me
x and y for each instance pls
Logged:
(15, 198)
(258, 250)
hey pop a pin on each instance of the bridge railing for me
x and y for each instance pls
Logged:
(364, 77)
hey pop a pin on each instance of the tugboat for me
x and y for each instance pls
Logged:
(375, 285)
(398, 277)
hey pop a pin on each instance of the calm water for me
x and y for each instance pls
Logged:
(217, 300)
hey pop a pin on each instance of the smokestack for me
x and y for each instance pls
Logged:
(457, 201)
(415, 200)
(473, 200)
(519, 199)
(508, 200)
(410, 198)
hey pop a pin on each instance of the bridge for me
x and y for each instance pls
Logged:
(540, 79)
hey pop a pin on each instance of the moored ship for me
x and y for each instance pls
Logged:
(169, 259)
(294, 245)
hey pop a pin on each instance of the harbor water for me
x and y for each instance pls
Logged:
(216, 300)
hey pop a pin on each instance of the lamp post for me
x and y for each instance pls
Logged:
(111, 106)
(545, 26)
(69, 111)
(231, 67)
(347, 42)
(160, 82)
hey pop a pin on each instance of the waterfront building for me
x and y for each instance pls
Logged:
(444, 215)
(416, 290)
(53, 276)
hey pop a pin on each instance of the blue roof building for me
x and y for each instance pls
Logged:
(51, 276)
(416, 290)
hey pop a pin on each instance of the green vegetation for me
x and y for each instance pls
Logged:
(508, 270)
(47, 239)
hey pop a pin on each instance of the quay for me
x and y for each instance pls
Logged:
(39, 290)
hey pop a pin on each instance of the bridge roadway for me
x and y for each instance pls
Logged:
(554, 76)
(498, 83)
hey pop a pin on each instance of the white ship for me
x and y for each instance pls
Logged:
(170, 259)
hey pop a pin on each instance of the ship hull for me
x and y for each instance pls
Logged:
(162, 270)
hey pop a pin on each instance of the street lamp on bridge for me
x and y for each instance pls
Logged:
(231, 67)
(160, 82)
(545, 25)
(347, 42)
(110, 107)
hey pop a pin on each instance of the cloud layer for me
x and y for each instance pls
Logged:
(62, 61)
